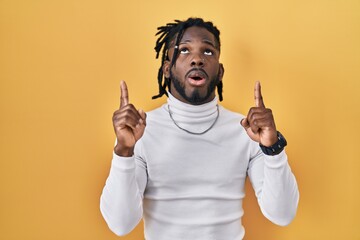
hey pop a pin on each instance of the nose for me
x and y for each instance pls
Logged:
(197, 61)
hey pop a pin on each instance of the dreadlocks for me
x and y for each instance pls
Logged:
(167, 35)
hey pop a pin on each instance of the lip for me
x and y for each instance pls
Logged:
(197, 77)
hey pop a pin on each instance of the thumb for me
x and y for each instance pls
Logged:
(142, 115)
(245, 123)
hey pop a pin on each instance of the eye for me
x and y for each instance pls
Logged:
(208, 52)
(184, 50)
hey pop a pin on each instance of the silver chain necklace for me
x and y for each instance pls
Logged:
(195, 133)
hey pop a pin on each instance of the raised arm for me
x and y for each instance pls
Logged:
(121, 199)
(269, 171)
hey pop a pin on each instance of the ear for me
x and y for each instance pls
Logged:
(166, 68)
(221, 71)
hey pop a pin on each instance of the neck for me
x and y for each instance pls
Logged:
(196, 119)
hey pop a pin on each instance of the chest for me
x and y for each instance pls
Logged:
(216, 159)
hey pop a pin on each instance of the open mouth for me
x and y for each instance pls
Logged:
(197, 78)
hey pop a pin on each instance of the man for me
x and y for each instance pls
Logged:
(182, 167)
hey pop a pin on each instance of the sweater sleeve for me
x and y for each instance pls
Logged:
(275, 186)
(121, 199)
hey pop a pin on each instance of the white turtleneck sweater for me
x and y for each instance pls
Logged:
(191, 187)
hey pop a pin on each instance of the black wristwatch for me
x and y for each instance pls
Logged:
(277, 148)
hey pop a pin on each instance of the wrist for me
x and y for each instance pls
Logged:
(275, 148)
(123, 151)
(273, 140)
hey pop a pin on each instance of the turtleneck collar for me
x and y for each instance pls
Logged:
(194, 118)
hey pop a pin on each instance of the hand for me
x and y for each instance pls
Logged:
(259, 123)
(129, 124)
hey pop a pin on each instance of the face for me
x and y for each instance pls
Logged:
(197, 71)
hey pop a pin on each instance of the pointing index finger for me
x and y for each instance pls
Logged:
(124, 99)
(258, 97)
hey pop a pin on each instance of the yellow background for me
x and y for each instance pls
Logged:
(60, 67)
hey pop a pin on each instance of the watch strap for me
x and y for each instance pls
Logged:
(277, 148)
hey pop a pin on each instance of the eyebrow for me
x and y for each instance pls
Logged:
(207, 41)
